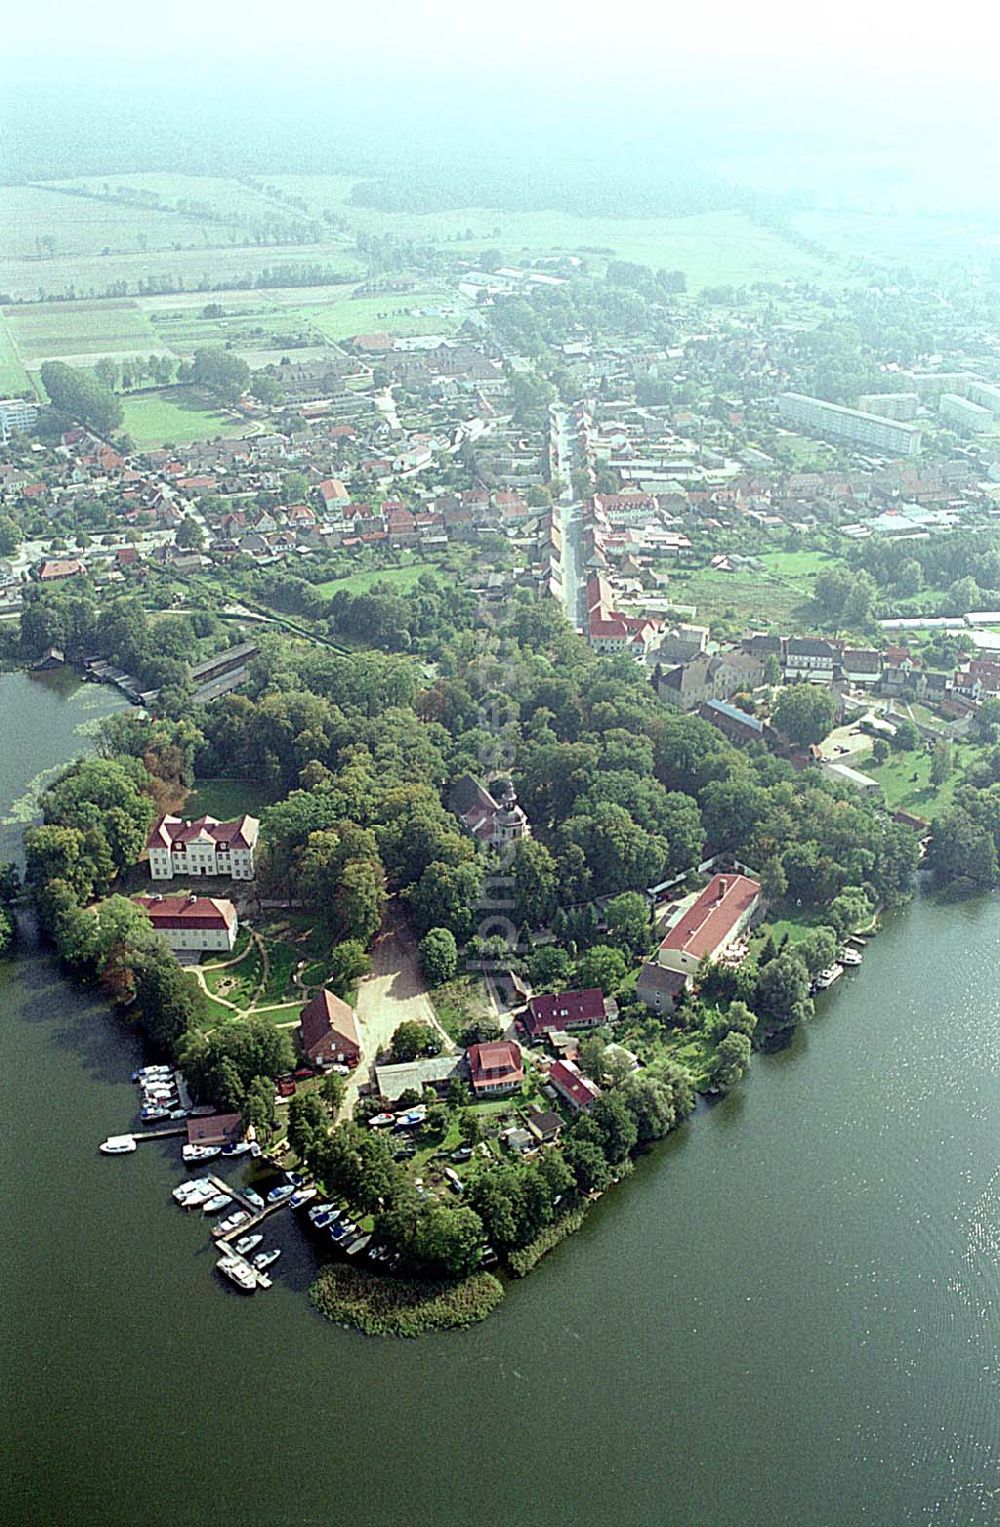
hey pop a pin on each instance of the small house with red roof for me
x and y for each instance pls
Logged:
(494, 1067)
(328, 1033)
(215, 1129)
(562, 1011)
(572, 1086)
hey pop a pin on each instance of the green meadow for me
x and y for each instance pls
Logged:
(175, 416)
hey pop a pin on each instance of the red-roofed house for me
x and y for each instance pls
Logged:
(203, 847)
(52, 570)
(495, 1067)
(706, 929)
(569, 1081)
(327, 1031)
(562, 1011)
(333, 491)
(192, 922)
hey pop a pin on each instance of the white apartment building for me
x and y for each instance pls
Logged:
(813, 416)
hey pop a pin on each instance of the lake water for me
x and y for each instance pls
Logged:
(788, 1315)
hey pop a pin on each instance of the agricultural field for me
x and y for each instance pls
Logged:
(175, 416)
(202, 250)
(38, 223)
(80, 331)
(13, 377)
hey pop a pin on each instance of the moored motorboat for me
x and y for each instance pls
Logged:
(195, 1186)
(253, 1198)
(246, 1243)
(827, 977)
(265, 1258)
(118, 1145)
(238, 1272)
(233, 1222)
(849, 956)
(279, 1194)
(236, 1148)
(192, 1153)
(358, 1245)
(302, 1196)
(216, 1203)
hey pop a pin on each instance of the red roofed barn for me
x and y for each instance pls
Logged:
(327, 1031)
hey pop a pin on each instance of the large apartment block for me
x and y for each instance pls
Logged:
(16, 415)
(969, 416)
(890, 405)
(986, 394)
(815, 417)
(204, 847)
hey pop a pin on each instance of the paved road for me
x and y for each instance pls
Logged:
(394, 991)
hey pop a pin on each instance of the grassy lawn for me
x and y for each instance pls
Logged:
(226, 799)
(279, 1015)
(237, 983)
(759, 598)
(400, 313)
(175, 416)
(796, 922)
(459, 1002)
(896, 776)
(282, 960)
(400, 579)
(693, 1050)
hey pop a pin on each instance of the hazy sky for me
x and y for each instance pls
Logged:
(633, 38)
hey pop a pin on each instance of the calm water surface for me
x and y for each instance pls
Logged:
(789, 1315)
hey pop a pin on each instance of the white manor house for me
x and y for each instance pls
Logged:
(203, 847)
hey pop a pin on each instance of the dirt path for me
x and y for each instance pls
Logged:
(394, 991)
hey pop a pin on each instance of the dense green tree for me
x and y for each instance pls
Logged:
(602, 967)
(438, 956)
(221, 372)
(413, 1038)
(730, 1062)
(804, 713)
(81, 396)
(782, 998)
(535, 883)
(627, 917)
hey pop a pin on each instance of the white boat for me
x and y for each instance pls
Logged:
(247, 1243)
(827, 977)
(238, 1272)
(279, 1194)
(227, 1226)
(380, 1120)
(411, 1117)
(191, 1189)
(237, 1148)
(848, 956)
(265, 1258)
(216, 1203)
(358, 1245)
(118, 1145)
(200, 1152)
(303, 1196)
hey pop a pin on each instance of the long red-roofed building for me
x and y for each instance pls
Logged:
(559, 1011)
(192, 922)
(711, 924)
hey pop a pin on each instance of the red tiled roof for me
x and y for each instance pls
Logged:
(704, 927)
(241, 833)
(187, 911)
(495, 1064)
(326, 1015)
(571, 1082)
(565, 1010)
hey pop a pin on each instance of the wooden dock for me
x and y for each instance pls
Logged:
(165, 1133)
(257, 1216)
